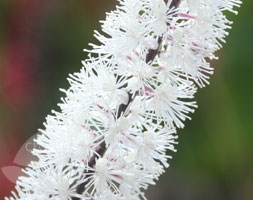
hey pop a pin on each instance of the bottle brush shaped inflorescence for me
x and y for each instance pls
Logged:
(120, 114)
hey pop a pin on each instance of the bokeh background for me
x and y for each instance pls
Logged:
(41, 42)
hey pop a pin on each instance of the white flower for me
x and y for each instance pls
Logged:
(151, 146)
(109, 141)
(171, 102)
(47, 183)
(161, 17)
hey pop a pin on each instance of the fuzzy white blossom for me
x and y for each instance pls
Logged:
(118, 120)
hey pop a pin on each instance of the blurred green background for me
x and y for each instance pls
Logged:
(41, 42)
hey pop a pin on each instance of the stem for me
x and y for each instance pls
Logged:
(174, 3)
(152, 53)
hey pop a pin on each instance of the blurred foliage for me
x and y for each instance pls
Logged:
(214, 158)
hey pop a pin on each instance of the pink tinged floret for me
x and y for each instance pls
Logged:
(137, 53)
(117, 176)
(129, 58)
(102, 108)
(160, 69)
(148, 91)
(188, 16)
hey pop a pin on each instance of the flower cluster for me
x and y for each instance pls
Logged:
(120, 115)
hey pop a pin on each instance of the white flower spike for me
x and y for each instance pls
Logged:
(119, 117)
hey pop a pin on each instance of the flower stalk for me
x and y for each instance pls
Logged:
(120, 115)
